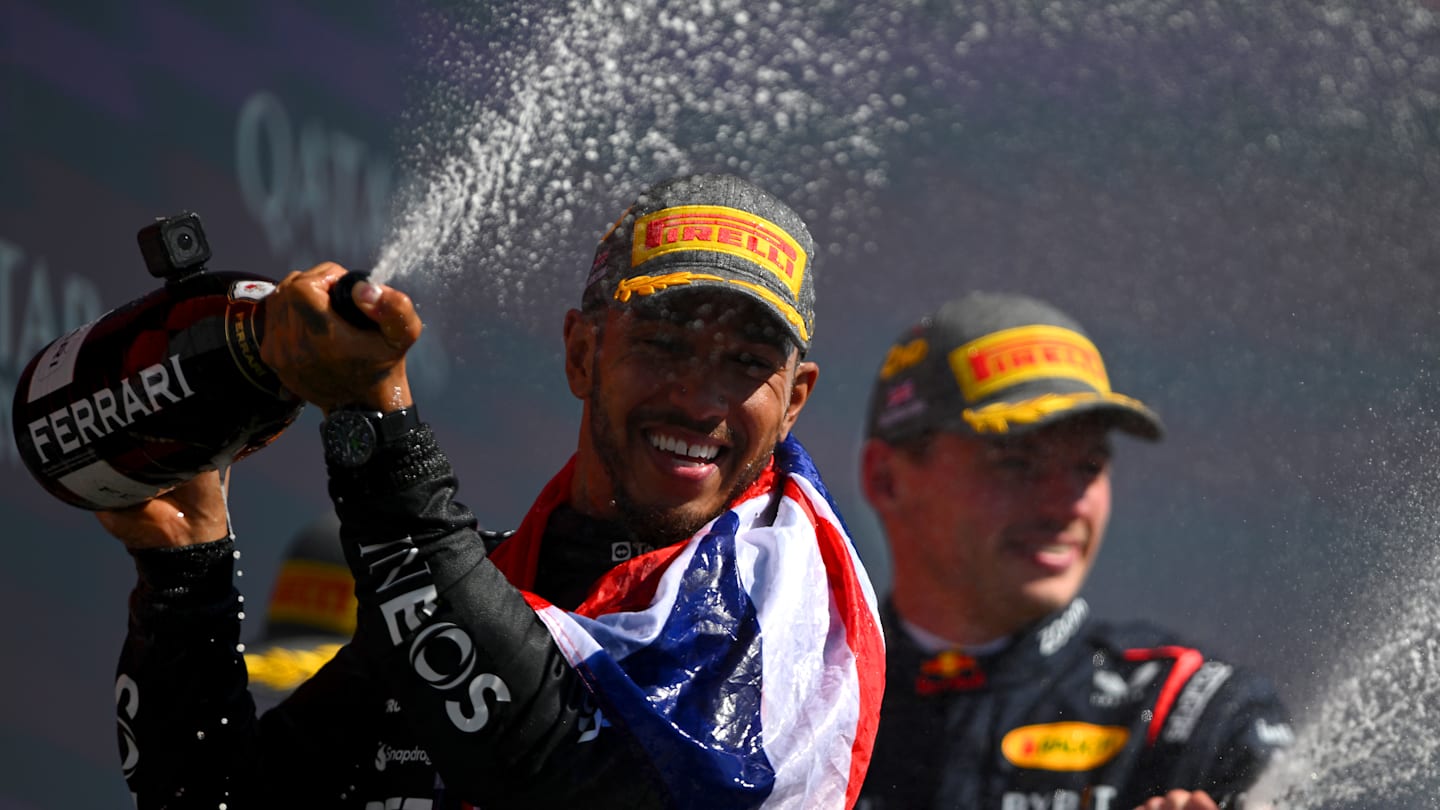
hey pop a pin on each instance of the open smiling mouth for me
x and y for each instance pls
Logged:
(693, 452)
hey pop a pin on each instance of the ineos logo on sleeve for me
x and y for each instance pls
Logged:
(442, 653)
(479, 713)
(432, 637)
(429, 647)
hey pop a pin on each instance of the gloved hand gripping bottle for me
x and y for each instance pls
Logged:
(156, 391)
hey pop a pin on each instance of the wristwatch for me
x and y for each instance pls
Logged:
(351, 436)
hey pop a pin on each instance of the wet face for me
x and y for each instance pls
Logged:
(683, 407)
(989, 535)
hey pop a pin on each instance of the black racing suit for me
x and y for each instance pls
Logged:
(498, 712)
(1073, 714)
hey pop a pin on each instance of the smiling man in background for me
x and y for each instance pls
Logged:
(988, 460)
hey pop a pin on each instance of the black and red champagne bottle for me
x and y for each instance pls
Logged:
(158, 390)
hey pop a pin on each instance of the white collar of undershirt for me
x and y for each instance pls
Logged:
(934, 644)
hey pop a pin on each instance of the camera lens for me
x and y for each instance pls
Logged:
(173, 246)
(185, 244)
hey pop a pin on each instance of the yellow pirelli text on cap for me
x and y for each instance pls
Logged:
(315, 594)
(1012, 356)
(1063, 746)
(719, 229)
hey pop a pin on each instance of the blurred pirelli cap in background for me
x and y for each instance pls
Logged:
(311, 614)
(996, 364)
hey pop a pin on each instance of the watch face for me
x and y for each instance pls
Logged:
(349, 438)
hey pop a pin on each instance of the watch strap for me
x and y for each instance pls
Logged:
(412, 458)
(391, 427)
(338, 431)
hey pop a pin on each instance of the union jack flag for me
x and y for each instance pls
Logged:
(748, 660)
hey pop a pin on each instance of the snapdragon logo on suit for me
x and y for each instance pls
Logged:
(399, 756)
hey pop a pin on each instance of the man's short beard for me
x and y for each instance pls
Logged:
(653, 525)
(659, 527)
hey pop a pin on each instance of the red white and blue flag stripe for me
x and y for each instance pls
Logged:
(748, 660)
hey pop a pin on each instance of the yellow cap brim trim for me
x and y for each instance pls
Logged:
(649, 285)
(999, 417)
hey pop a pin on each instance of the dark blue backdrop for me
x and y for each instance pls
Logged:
(1239, 202)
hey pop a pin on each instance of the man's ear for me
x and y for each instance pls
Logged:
(582, 342)
(806, 373)
(877, 474)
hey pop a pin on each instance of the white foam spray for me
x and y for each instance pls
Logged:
(1372, 740)
(542, 124)
(536, 122)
